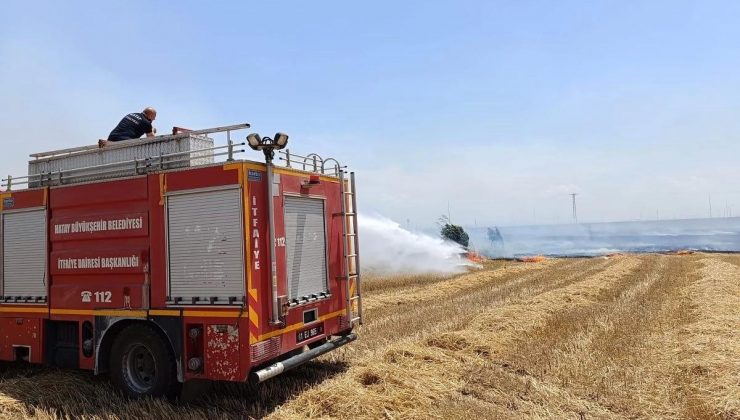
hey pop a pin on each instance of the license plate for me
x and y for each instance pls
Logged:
(309, 333)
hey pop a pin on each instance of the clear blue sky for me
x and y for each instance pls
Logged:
(501, 108)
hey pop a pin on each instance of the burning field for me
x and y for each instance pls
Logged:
(629, 336)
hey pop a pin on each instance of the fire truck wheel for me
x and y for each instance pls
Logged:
(142, 364)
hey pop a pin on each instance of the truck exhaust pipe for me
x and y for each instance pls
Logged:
(276, 369)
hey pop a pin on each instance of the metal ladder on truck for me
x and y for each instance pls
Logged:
(353, 289)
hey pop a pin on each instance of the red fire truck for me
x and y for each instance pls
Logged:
(152, 261)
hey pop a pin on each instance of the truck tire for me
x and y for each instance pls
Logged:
(142, 364)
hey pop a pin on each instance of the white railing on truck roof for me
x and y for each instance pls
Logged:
(310, 163)
(121, 144)
(116, 169)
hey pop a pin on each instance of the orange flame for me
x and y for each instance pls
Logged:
(475, 257)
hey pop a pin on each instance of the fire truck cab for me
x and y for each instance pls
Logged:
(152, 261)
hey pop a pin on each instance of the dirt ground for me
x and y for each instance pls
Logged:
(633, 336)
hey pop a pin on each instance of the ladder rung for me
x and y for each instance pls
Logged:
(349, 192)
(354, 298)
(350, 234)
(351, 255)
(355, 319)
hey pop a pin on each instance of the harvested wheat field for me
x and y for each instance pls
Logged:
(629, 336)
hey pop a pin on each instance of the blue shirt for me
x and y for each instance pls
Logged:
(132, 126)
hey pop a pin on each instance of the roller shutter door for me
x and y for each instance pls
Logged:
(206, 246)
(305, 241)
(24, 253)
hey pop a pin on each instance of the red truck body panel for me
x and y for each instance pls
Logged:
(107, 263)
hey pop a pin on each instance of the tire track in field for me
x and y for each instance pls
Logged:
(612, 358)
(511, 377)
(416, 377)
(711, 352)
(387, 324)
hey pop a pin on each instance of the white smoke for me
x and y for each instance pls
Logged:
(387, 248)
(588, 239)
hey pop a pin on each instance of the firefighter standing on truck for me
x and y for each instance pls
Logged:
(133, 126)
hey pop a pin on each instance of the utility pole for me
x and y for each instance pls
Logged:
(575, 213)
